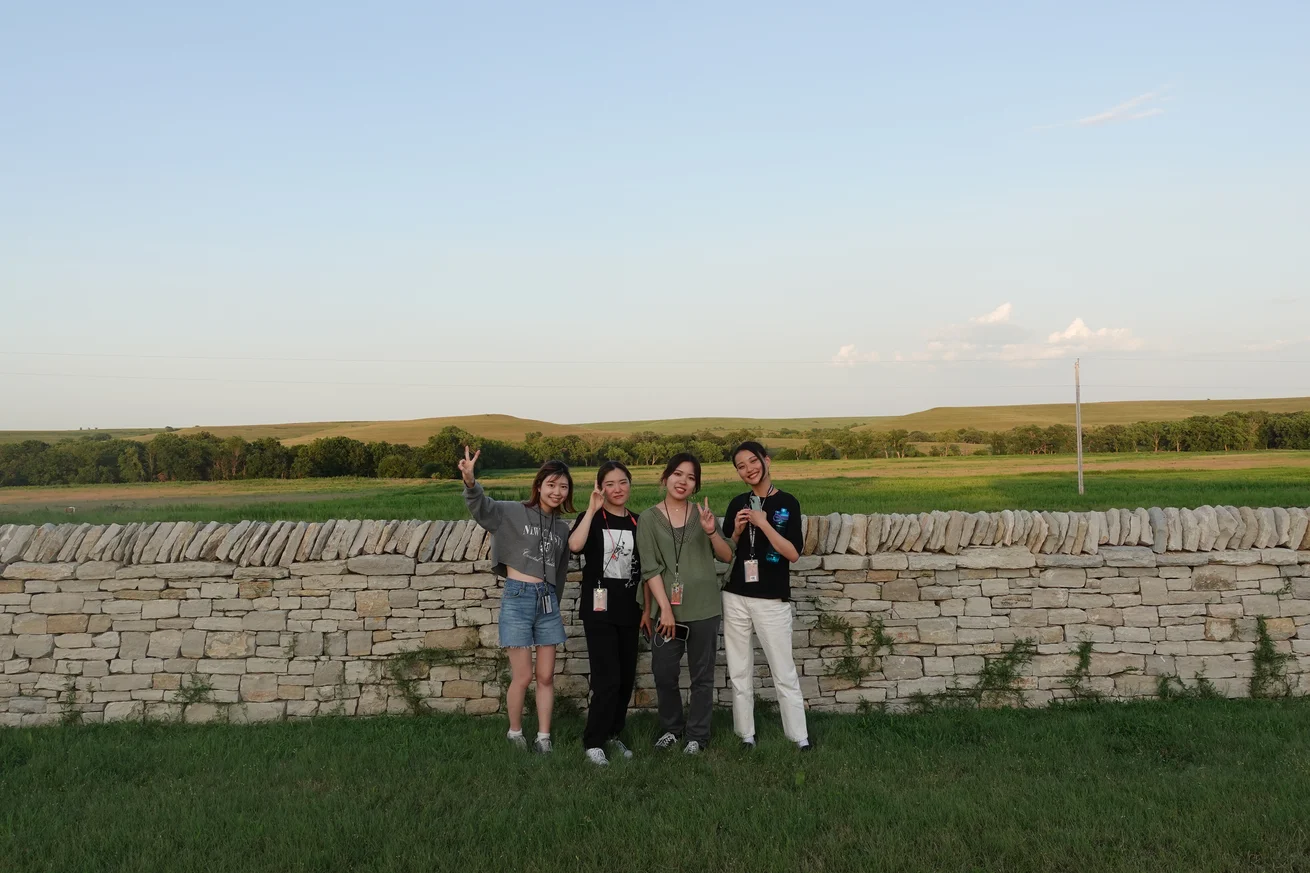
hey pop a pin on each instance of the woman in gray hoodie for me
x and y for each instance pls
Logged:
(529, 547)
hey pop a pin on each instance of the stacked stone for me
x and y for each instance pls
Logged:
(1203, 529)
(294, 619)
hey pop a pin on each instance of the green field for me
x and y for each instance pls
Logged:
(1162, 786)
(907, 485)
(508, 427)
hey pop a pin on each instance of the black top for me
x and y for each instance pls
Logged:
(784, 513)
(611, 563)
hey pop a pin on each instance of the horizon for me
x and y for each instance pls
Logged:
(1289, 404)
(316, 213)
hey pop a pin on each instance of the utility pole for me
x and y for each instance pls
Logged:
(1078, 418)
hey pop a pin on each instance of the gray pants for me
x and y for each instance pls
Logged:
(666, 659)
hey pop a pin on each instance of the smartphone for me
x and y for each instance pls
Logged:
(756, 502)
(680, 632)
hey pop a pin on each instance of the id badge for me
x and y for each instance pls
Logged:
(675, 595)
(547, 603)
(600, 599)
(752, 568)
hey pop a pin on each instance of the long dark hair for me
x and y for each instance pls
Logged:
(761, 454)
(548, 469)
(677, 461)
(609, 467)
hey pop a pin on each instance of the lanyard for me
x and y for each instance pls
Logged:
(542, 539)
(750, 528)
(678, 540)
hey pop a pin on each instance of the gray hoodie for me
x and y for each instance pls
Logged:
(518, 540)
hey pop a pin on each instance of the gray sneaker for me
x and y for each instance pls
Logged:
(693, 748)
(597, 757)
(517, 742)
(667, 741)
(617, 746)
(543, 746)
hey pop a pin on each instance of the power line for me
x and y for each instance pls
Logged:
(683, 362)
(556, 385)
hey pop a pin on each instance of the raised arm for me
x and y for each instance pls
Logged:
(582, 528)
(485, 511)
(721, 545)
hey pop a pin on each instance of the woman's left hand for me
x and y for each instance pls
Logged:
(708, 522)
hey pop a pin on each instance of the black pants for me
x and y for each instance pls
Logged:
(666, 661)
(612, 652)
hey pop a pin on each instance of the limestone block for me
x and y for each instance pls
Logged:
(1267, 529)
(39, 572)
(1128, 556)
(921, 561)
(230, 644)
(1078, 561)
(900, 590)
(1191, 530)
(54, 604)
(124, 710)
(845, 530)
(844, 562)
(901, 667)
(888, 561)
(1252, 527)
(1173, 529)
(1062, 578)
(810, 531)
(1005, 558)
(372, 603)
(831, 531)
(381, 565)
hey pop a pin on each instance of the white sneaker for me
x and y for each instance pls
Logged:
(667, 741)
(543, 746)
(617, 745)
(597, 757)
(519, 742)
(693, 748)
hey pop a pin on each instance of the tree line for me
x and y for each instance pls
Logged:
(205, 457)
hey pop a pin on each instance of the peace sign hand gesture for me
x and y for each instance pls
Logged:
(466, 466)
(708, 522)
(596, 502)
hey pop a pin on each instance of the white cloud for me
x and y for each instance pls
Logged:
(1273, 345)
(992, 336)
(1142, 106)
(999, 315)
(1079, 333)
(849, 356)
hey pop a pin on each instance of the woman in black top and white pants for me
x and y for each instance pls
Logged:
(765, 524)
(606, 536)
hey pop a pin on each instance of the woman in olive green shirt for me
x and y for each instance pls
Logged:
(678, 542)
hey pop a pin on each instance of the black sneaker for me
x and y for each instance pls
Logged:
(807, 746)
(748, 744)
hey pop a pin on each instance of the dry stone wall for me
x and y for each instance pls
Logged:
(257, 621)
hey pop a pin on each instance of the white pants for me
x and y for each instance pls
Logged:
(771, 621)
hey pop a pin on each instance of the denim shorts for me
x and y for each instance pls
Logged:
(522, 620)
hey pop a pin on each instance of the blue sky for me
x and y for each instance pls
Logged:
(232, 214)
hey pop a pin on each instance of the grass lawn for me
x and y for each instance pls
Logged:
(910, 485)
(1189, 786)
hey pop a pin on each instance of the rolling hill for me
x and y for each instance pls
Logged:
(508, 427)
